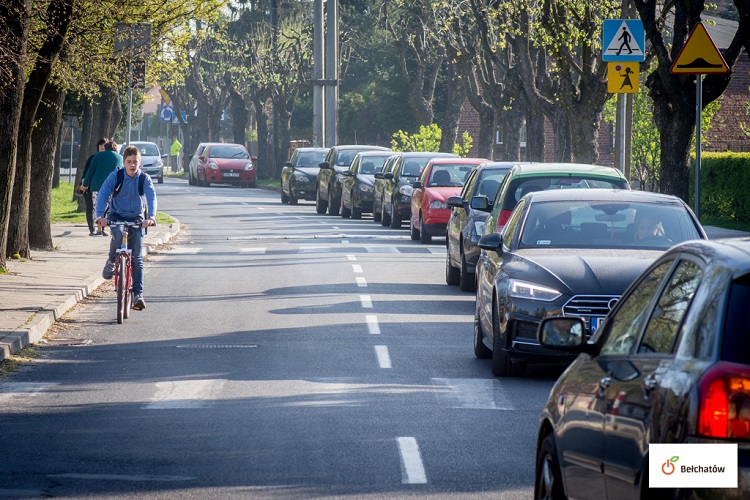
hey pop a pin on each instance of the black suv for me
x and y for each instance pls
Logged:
(396, 200)
(328, 185)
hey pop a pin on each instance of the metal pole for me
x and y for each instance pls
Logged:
(698, 108)
(318, 65)
(623, 129)
(130, 84)
(332, 73)
(72, 141)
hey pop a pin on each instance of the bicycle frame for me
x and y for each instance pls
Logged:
(124, 271)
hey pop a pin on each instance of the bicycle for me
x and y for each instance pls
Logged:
(124, 272)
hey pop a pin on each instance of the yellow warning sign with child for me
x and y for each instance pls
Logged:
(623, 77)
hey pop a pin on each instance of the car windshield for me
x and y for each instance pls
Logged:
(310, 158)
(489, 182)
(413, 166)
(229, 152)
(449, 175)
(599, 224)
(525, 185)
(345, 158)
(148, 149)
(371, 164)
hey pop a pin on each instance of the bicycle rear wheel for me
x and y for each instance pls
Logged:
(128, 290)
(121, 288)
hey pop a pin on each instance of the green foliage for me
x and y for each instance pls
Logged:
(428, 139)
(725, 182)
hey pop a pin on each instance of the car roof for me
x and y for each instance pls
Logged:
(428, 154)
(492, 165)
(378, 153)
(312, 149)
(531, 169)
(460, 161)
(221, 144)
(607, 195)
(140, 142)
(360, 146)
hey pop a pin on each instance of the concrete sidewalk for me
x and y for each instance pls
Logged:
(38, 292)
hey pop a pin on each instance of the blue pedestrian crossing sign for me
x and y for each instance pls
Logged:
(623, 40)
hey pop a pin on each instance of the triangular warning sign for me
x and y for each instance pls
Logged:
(699, 55)
(623, 43)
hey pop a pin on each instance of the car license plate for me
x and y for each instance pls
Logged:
(231, 174)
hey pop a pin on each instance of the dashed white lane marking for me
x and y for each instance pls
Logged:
(357, 268)
(279, 213)
(438, 251)
(384, 360)
(260, 208)
(257, 251)
(412, 469)
(475, 393)
(244, 203)
(183, 251)
(122, 477)
(372, 324)
(366, 301)
(351, 257)
(382, 250)
(344, 242)
(183, 394)
(21, 390)
(314, 249)
(361, 282)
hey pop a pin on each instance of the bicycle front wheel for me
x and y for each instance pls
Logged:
(128, 290)
(122, 289)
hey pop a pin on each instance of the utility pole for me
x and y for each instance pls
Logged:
(318, 65)
(332, 72)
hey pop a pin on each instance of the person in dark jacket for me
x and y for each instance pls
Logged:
(87, 194)
(104, 163)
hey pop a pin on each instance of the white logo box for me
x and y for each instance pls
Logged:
(694, 465)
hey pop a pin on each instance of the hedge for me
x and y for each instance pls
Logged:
(725, 185)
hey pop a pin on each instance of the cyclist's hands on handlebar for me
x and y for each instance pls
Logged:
(102, 222)
(148, 222)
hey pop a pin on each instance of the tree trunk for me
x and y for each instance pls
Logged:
(561, 127)
(456, 95)
(58, 155)
(262, 118)
(535, 136)
(584, 131)
(43, 146)
(512, 122)
(14, 17)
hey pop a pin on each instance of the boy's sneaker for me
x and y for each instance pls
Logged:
(109, 270)
(139, 304)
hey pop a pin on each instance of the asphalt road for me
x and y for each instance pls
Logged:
(283, 354)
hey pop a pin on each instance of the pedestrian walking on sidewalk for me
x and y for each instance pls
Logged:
(85, 192)
(131, 198)
(104, 163)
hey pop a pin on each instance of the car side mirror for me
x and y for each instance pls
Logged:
(417, 185)
(563, 333)
(190, 157)
(492, 242)
(388, 175)
(202, 158)
(481, 203)
(455, 201)
(164, 155)
(253, 158)
(324, 164)
(288, 164)
(378, 175)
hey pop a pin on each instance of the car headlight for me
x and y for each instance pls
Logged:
(365, 188)
(438, 204)
(249, 166)
(301, 179)
(213, 166)
(158, 163)
(479, 228)
(525, 290)
(406, 190)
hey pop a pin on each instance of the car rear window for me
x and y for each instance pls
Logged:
(524, 185)
(736, 335)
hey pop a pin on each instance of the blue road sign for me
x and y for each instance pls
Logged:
(166, 113)
(623, 40)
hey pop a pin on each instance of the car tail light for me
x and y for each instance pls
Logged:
(502, 219)
(724, 402)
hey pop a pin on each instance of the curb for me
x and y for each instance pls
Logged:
(35, 329)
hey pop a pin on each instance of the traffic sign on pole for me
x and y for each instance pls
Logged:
(699, 55)
(623, 40)
(166, 113)
(623, 77)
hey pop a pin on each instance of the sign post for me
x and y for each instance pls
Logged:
(699, 56)
(133, 41)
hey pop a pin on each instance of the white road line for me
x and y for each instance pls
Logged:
(22, 390)
(382, 249)
(183, 394)
(184, 251)
(366, 301)
(257, 251)
(475, 393)
(260, 208)
(335, 227)
(412, 469)
(372, 324)
(439, 251)
(384, 360)
(314, 249)
(357, 268)
(351, 257)
(344, 242)
(361, 282)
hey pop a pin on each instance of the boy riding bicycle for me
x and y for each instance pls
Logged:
(125, 195)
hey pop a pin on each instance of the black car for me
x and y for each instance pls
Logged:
(299, 174)
(670, 364)
(569, 252)
(328, 182)
(379, 186)
(396, 202)
(358, 183)
(466, 223)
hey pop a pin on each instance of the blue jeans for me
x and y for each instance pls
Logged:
(135, 243)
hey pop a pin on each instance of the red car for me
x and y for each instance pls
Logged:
(223, 163)
(440, 179)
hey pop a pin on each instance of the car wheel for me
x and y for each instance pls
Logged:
(385, 219)
(451, 273)
(190, 178)
(481, 351)
(161, 179)
(395, 221)
(376, 216)
(334, 205)
(467, 281)
(320, 205)
(424, 236)
(251, 184)
(502, 365)
(355, 212)
(413, 231)
(284, 197)
(345, 212)
(292, 199)
(548, 482)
